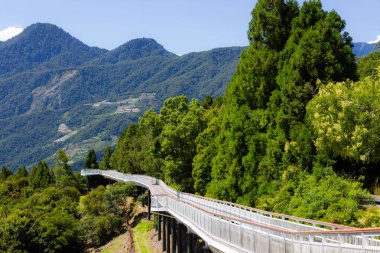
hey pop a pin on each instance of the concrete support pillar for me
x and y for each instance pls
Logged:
(180, 232)
(149, 205)
(164, 236)
(174, 236)
(168, 232)
(159, 227)
(189, 242)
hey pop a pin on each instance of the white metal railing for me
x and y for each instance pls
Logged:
(235, 228)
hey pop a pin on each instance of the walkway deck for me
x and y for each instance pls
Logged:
(229, 227)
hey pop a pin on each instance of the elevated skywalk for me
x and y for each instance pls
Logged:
(229, 227)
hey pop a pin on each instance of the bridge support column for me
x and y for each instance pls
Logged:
(149, 205)
(164, 237)
(189, 242)
(180, 232)
(168, 232)
(159, 227)
(174, 235)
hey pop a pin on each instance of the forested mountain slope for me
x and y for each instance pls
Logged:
(49, 78)
(362, 49)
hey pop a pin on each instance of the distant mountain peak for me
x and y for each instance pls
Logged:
(141, 42)
(40, 26)
(136, 49)
(45, 30)
(43, 44)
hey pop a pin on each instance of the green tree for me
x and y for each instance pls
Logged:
(346, 121)
(368, 65)
(316, 50)
(178, 148)
(22, 172)
(62, 171)
(59, 232)
(62, 161)
(91, 161)
(163, 145)
(206, 150)
(5, 173)
(324, 195)
(207, 102)
(42, 177)
(261, 133)
(105, 164)
(44, 220)
(93, 203)
(132, 153)
(105, 212)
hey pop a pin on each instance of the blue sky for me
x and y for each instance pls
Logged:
(181, 26)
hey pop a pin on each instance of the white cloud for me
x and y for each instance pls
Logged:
(374, 41)
(10, 32)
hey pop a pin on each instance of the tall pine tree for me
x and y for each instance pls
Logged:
(261, 133)
(91, 161)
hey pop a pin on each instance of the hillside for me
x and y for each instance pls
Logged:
(49, 78)
(362, 49)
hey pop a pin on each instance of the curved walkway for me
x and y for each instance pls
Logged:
(230, 227)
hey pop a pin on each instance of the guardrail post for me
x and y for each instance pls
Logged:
(364, 242)
(323, 242)
(340, 240)
(310, 245)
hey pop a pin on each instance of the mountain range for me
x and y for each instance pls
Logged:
(362, 48)
(56, 92)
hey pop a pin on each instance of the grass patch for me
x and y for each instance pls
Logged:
(81, 200)
(116, 246)
(140, 236)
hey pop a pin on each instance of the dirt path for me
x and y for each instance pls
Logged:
(124, 242)
(121, 244)
(155, 245)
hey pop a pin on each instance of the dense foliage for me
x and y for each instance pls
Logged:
(42, 211)
(39, 210)
(262, 131)
(368, 66)
(163, 144)
(286, 137)
(106, 211)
